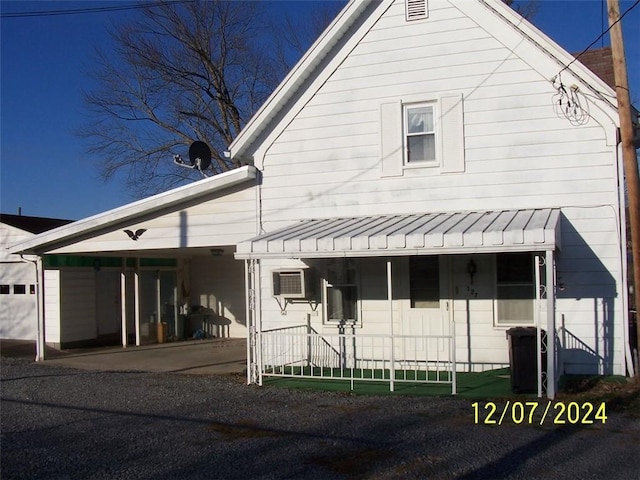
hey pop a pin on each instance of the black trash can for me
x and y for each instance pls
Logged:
(523, 358)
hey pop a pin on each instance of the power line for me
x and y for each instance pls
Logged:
(77, 11)
(601, 35)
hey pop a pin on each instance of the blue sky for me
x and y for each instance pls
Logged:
(43, 167)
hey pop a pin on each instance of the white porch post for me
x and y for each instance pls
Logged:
(392, 371)
(247, 309)
(257, 310)
(123, 303)
(136, 300)
(538, 259)
(41, 340)
(551, 324)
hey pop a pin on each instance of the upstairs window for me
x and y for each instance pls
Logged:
(420, 133)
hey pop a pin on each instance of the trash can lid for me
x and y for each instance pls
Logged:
(522, 331)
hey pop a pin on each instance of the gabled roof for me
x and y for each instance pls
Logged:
(32, 224)
(104, 222)
(353, 22)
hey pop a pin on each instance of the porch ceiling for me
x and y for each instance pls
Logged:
(418, 234)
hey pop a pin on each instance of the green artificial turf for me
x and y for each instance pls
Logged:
(489, 384)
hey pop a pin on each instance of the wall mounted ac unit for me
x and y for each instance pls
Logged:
(290, 283)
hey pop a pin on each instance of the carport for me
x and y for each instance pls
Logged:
(147, 266)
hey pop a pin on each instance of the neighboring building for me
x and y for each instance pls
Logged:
(18, 281)
(427, 177)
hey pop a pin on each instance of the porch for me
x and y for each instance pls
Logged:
(406, 298)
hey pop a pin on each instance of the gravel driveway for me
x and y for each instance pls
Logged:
(61, 423)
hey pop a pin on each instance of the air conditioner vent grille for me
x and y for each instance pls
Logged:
(289, 283)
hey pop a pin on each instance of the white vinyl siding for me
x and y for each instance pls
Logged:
(223, 220)
(77, 305)
(52, 306)
(217, 284)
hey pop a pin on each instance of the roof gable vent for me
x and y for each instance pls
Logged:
(416, 9)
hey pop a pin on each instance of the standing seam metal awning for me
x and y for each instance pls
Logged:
(418, 234)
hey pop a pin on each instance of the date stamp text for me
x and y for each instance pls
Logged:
(539, 413)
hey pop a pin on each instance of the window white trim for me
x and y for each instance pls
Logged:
(532, 284)
(326, 286)
(433, 132)
(449, 134)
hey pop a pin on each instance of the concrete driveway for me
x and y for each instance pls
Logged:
(218, 356)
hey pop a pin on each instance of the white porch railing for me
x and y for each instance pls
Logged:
(301, 353)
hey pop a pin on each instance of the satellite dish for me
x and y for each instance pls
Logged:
(199, 157)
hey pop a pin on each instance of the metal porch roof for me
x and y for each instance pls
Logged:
(418, 234)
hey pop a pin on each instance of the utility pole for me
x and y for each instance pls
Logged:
(628, 148)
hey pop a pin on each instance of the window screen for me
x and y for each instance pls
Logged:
(420, 133)
(424, 282)
(515, 287)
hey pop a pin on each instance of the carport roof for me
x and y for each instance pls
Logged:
(111, 219)
(417, 234)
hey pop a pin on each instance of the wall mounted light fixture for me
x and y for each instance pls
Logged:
(471, 269)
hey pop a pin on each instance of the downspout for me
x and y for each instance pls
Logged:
(622, 235)
(40, 336)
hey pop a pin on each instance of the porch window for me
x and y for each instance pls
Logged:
(515, 288)
(342, 290)
(424, 282)
(420, 133)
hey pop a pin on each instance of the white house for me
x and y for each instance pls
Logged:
(438, 172)
(430, 175)
(18, 280)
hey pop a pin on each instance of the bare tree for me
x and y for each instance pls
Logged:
(180, 72)
(190, 70)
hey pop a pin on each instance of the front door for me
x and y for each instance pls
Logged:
(108, 302)
(425, 319)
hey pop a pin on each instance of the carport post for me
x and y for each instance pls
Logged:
(40, 341)
(136, 293)
(123, 303)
